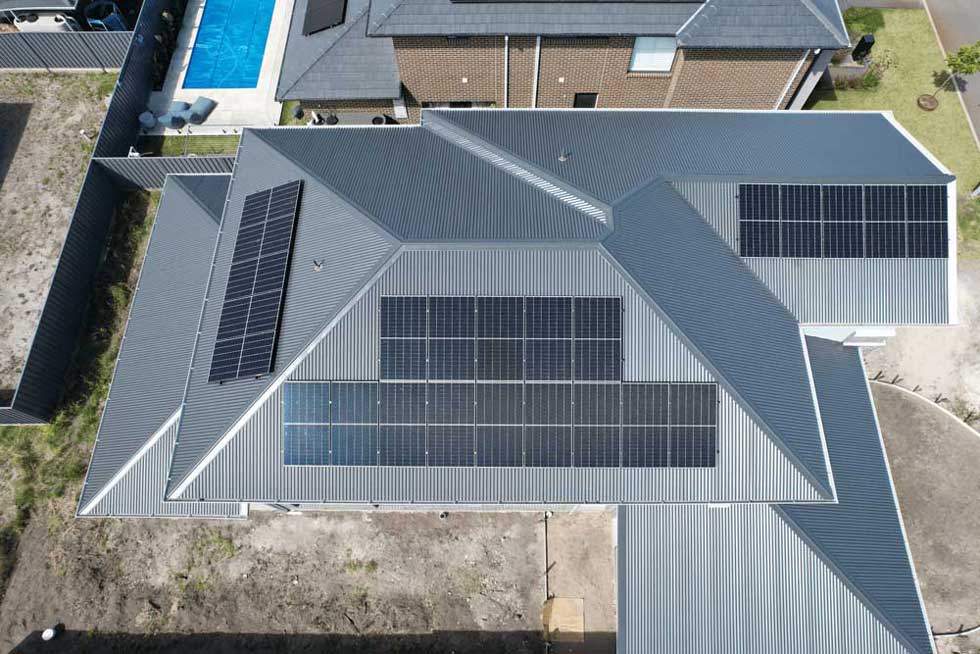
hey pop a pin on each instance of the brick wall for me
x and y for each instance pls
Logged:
(433, 68)
(732, 79)
(520, 81)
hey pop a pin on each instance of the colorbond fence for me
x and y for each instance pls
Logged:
(151, 172)
(64, 50)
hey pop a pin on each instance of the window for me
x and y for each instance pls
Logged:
(653, 54)
(585, 100)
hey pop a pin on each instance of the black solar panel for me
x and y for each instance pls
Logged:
(843, 221)
(597, 447)
(246, 338)
(323, 14)
(461, 386)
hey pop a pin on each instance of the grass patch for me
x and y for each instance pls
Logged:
(212, 546)
(286, 115)
(45, 460)
(353, 566)
(183, 144)
(915, 67)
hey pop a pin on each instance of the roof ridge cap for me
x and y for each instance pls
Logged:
(706, 10)
(518, 167)
(346, 27)
(394, 6)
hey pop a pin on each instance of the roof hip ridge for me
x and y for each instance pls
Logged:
(825, 21)
(519, 167)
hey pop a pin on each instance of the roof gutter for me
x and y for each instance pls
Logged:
(537, 69)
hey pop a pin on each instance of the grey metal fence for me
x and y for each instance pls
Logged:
(151, 172)
(64, 50)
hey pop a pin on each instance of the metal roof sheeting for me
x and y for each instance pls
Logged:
(731, 319)
(750, 465)
(733, 578)
(148, 381)
(862, 535)
(834, 291)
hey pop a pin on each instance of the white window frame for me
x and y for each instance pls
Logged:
(653, 54)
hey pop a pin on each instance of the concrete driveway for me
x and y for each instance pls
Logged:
(958, 23)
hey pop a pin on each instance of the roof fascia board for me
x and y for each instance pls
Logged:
(116, 478)
(829, 494)
(278, 380)
(519, 167)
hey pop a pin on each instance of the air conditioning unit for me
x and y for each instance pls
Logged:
(46, 23)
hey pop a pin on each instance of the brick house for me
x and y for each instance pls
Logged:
(392, 57)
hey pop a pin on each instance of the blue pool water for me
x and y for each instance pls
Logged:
(230, 44)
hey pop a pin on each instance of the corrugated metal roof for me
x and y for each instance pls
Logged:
(421, 186)
(383, 186)
(340, 63)
(766, 24)
(766, 578)
(349, 245)
(725, 313)
(862, 535)
(444, 17)
(151, 369)
(612, 152)
(36, 5)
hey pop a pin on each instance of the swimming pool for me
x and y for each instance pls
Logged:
(230, 44)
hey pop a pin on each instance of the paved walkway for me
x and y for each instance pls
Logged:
(958, 24)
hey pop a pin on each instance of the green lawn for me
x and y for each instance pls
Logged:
(906, 38)
(181, 145)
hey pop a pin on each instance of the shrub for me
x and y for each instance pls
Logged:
(863, 20)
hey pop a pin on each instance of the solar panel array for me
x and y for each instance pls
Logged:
(500, 382)
(250, 314)
(842, 221)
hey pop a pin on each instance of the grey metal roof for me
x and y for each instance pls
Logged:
(766, 24)
(340, 63)
(770, 579)
(862, 535)
(444, 17)
(725, 312)
(495, 177)
(148, 381)
(612, 152)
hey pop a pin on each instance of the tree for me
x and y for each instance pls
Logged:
(964, 61)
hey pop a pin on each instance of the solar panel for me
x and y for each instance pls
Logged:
(500, 404)
(500, 446)
(401, 445)
(461, 386)
(451, 358)
(451, 404)
(307, 445)
(323, 14)
(500, 359)
(597, 447)
(500, 317)
(549, 447)
(843, 221)
(646, 447)
(246, 337)
(354, 445)
(451, 446)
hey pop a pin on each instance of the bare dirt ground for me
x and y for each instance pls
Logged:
(329, 581)
(934, 461)
(42, 159)
(941, 360)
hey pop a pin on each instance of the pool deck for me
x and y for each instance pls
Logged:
(237, 108)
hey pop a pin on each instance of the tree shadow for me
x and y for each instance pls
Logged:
(940, 81)
(13, 123)
(457, 642)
